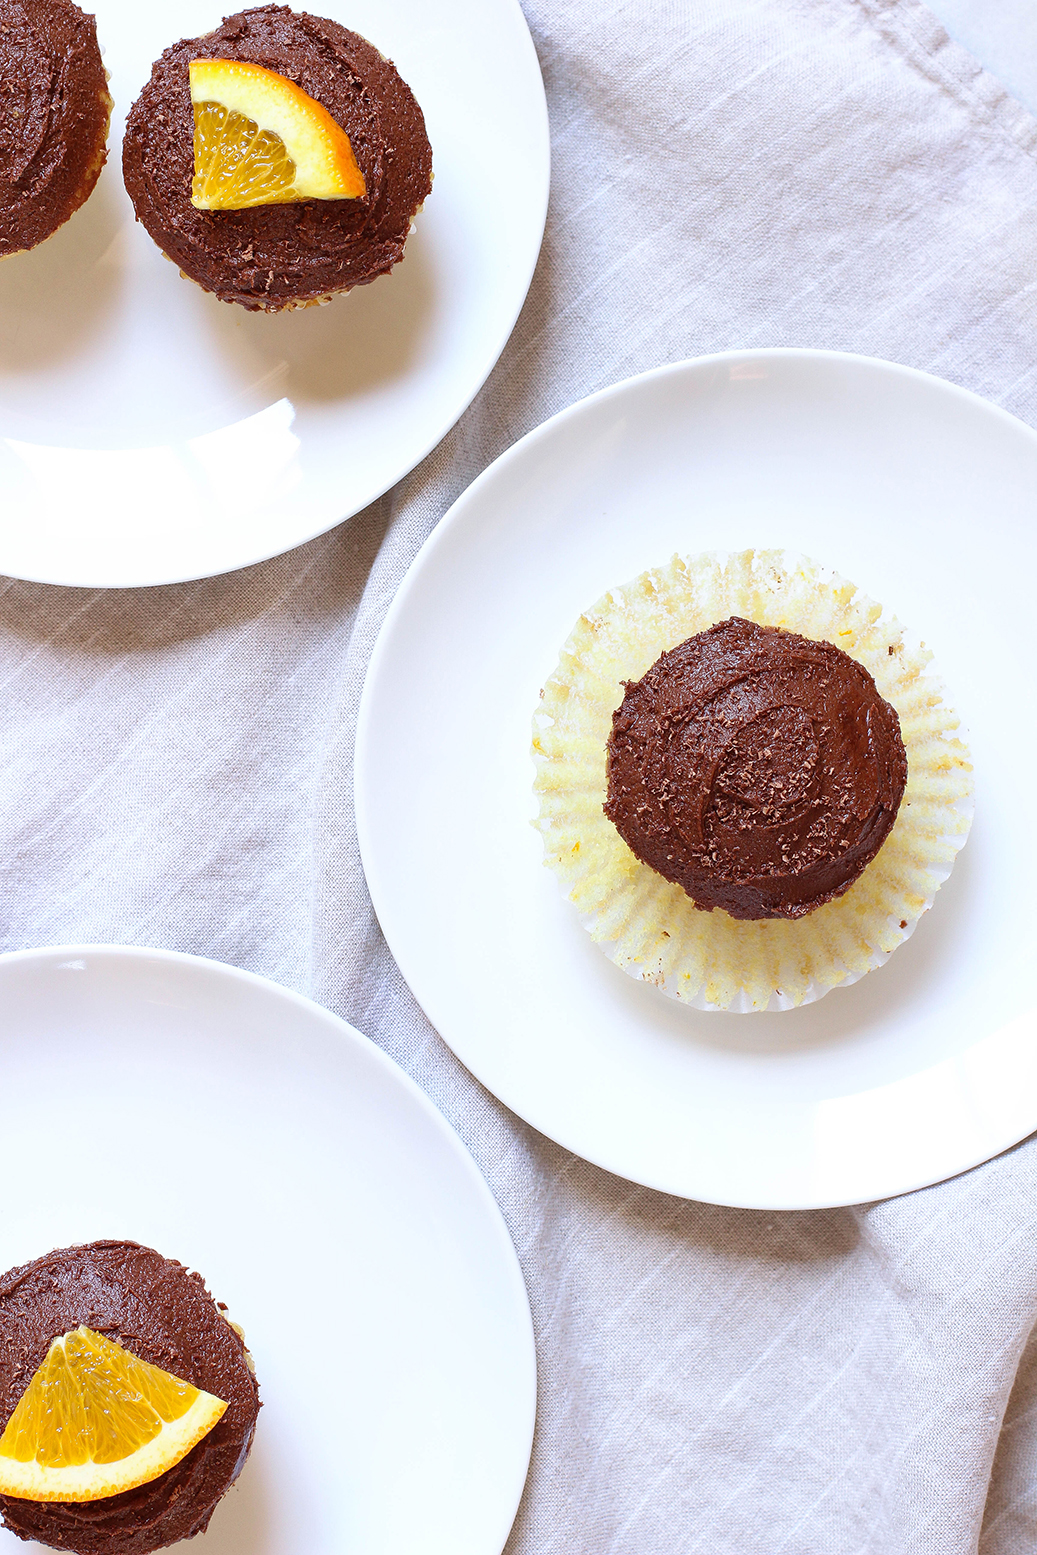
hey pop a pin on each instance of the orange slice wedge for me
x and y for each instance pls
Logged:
(95, 1420)
(261, 140)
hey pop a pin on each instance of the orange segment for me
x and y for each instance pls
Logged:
(261, 140)
(95, 1421)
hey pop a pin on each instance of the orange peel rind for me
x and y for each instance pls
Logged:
(259, 139)
(95, 1421)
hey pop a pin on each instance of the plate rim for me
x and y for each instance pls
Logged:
(442, 427)
(599, 396)
(399, 604)
(40, 955)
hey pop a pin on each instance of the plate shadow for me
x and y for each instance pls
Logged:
(344, 349)
(844, 1014)
(241, 1523)
(53, 298)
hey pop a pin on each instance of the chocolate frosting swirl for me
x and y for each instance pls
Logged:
(757, 769)
(54, 109)
(160, 1312)
(273, 256)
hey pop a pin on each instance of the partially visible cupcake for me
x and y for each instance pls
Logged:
(288, 249)
(54, 113)
(98, 1297)
(748, 785)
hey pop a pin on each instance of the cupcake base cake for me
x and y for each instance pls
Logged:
(282, 255)
(54, 113)
(863, 809)
(164, 1316)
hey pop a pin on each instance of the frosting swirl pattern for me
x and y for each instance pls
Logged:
(54, 108)
(755, 768)
(159, 1311)
(269, 257)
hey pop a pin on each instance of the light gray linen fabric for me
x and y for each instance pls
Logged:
(176, 770)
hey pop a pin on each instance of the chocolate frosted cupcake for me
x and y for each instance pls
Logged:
(54, 113)
(759, 771)
(162, 1314)
(282, 254)
(749, 786)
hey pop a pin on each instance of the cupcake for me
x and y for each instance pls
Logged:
(54, 113)
(115, 1305)
(278, 160)
(750, 786)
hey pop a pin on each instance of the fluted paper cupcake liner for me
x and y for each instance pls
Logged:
(650, 927)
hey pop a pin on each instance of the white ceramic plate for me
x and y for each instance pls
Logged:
(255, 1137)
(149, 433)
(926, 497)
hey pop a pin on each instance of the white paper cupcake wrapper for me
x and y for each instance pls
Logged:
(650, 927)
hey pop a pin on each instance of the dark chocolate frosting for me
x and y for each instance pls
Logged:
(273, 256)
(54, 110)
(162, 1314)
(759, 770)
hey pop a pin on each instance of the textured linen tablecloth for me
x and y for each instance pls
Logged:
(176, 771)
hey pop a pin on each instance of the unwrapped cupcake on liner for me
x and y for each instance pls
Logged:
(649, 926)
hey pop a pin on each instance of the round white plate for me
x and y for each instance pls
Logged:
(926, 497)
(149, 433)
(256, 1138)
